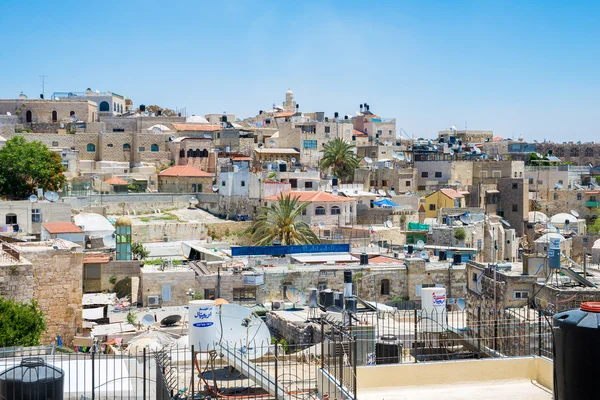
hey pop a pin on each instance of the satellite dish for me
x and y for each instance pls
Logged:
(505, 222)
(8, 113)
(272, 142)
(321, 225)
(465, 219)
(335, 192)
(453, 128)
(424, 255)
(172, 138)
(170, 320)
(33, 198)
(240, 330)
(312, 298)
(368, 160)
(293, 160)
(51, 196)
(457, 183)
(420, 245)
(215, 188)
(388, 224)
(193, 201)
(400, 157)
(296, 296)
(575, 213)
(558, 186)
(388, 142)
(148, 320)
(381, 192)
(461, 303)
(86, 186)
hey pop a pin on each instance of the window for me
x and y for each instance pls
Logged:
(589, 152)
(474, 277)
(579, 196)
(379, 131)
(560, 153)
(438, 174)
(309, 144)
(520, 294)
(322, 285)
(54, 116)
(407, 183)
(432, 207)
(109, 145)
(424, 174)
(141, 149)
(54, 144)
(209, 294)
(320, 210)
(515, 185)
(574, 152)
(36, 215)
(243, 183)
(193, 188)
(555, 196)
(515, 208)
(308, 185)
(126, 147)
(199, 186)
(384, 182)
(335, 210)
(65, 164)
(285, 287)
(104, 107)
(72, 114)
(115, 107)
(304, 211)
(327, 129)
(154, 148)
(385, 287)
(223, 183)
(592, 198)
(28, 117)
(11, 219)
(531, 181)
(91, 147)
(244, 294)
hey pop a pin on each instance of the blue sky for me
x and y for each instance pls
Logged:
(521, 67)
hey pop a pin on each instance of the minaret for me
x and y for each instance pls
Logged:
(290, 104)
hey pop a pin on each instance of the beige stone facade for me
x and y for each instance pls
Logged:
(37, 111)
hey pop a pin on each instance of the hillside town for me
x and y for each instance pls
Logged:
(323, 245)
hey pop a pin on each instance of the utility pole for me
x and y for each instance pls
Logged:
(43, 78)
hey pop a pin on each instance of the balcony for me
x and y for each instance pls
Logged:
(591, 204)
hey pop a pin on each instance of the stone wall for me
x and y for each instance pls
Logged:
(142, 202)
(301, 334)
(41, 110)
(120, 270)
(16, 278)
(179, 278)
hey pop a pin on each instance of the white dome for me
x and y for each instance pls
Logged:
(196, 119)
(546, 238)
(559, 219)
(289, 91)
(537, 216)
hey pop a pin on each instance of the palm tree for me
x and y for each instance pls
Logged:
(278, 223)
(338, 156)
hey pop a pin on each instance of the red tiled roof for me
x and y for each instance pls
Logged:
(453, 194)
(115, 180)
(284, 114)
(241, 158)
(311, 197)
(185, 170)
(61, 227)
(497, 139)
(384, 260)
(197, 127)
(359, 133)
(96, 259)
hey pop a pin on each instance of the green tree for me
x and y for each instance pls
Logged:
(460, 234)
(594, 228)
(154, 109)
(139, 251)
(339, 156)
(21, 324)
(25, 166)
(279, 223)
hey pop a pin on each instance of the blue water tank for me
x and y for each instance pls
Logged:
(576, 352)
(33, 379)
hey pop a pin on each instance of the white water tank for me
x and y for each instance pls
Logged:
(202, 326)
(433, 305)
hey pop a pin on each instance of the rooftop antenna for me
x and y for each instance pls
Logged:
(43, 78)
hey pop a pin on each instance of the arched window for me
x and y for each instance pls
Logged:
(335, 210)
(589, 152)
(28, 117)
(54, 116)
(182, 153)
(91, 147)
(126, 147)
(54, 144)
(385, 287)
(193, 188)
(190, 153)
(320, 210)
(559, 153)
(104, 106)
(72, 114)
(197, 153)
(574, 152)
(114, 107)
(204, 153)
(154, 148)
(11, 219)
(121, 108)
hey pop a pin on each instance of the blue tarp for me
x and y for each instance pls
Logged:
(284, 250)
(385, 203)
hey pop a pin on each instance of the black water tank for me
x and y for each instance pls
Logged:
(33, 379)
(350, 303)
(388, 350)
(456, 259)
(326, 298)
(442, 255)
(364, 259)
(576, 352)
(142, 108)
(409, 249)
(338, 299)
(334, 181)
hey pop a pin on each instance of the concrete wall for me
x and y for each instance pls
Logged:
(141, 202)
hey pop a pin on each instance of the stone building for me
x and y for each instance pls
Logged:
(109, 103)
(26, 217)
(466, 135)
(50, 272)
(195, 151)
(44, 115)
(185, 179)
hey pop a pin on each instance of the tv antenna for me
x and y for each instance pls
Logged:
(43, 78)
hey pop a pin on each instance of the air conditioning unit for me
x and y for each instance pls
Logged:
(277, 305)
(153, 301)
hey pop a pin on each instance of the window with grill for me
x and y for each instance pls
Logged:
(335, 210)
(320, 210)
(327, 129)
(424, 174)
(438, 174)
(244, 294)
(309, 144)
(36, 215)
